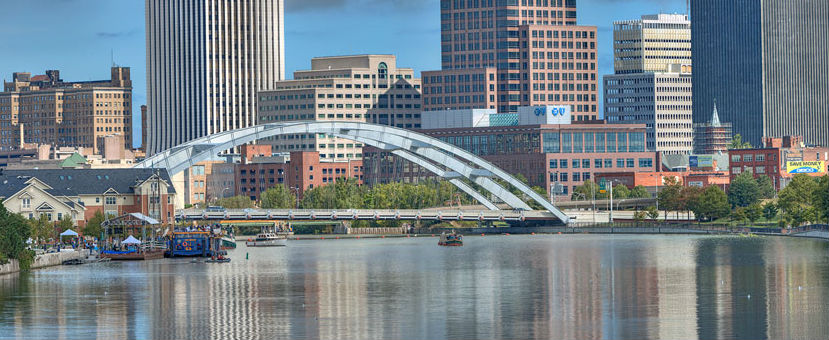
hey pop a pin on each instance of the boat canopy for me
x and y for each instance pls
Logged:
(131, 240)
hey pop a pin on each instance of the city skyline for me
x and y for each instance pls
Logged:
(102, 35)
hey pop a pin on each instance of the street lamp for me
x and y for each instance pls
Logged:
(223, 192)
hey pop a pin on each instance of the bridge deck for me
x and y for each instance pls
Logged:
(367, 214)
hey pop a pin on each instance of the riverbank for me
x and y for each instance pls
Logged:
(45, 260)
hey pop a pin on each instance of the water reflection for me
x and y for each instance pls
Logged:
(544, 287)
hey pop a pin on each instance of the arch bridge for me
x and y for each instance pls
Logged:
(443, 159)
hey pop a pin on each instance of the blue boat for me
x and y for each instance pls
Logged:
(189, 243)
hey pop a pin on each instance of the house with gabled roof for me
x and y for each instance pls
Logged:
(80, 193)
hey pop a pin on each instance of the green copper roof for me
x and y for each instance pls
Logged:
(73, 161)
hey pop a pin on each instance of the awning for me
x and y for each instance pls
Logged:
(131, 240)
(68, 232)
(145, 218)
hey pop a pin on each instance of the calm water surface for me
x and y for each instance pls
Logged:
(544, 287)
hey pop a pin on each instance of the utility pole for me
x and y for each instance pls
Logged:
(611, 202)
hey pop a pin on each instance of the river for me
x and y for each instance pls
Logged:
(542, 287)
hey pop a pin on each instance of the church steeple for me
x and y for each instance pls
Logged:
(715, 117)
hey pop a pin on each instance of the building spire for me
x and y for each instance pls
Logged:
(715, 117)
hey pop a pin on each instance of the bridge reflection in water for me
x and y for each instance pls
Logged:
(542, 287)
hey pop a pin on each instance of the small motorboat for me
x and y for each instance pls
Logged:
(218, 260)
(268, 238)
(450, 240)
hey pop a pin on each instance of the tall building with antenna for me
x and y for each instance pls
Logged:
(206, 61)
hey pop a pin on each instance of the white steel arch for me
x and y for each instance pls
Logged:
(430, 153)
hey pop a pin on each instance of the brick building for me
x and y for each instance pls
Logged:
(44, 109)
(299, 171)
(775, 157)
(504, 54)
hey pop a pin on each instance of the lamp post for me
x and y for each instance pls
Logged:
(223, 192)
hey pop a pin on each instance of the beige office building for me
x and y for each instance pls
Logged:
(662, 101)
(43, 109)
(652, 43)
(360, 88)
(206, 60)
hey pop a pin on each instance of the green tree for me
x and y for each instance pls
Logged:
(14, 233)
(770, 211)
(711, 204)
(688, 197)
(640, 215)
(639, 191)
(739, 215)
(737, 143)
(93, 225)
(765, 187)
(821, 199)
(621, 191)
(235, 202)
(586, 191)
(744, 190)
(277, 197)
(796, 199)
(670, 195)
(754, 212)
(65, 223)
(41, 228)
(653, 213)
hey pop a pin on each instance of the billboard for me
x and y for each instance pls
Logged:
(805, 167)
(701, 161)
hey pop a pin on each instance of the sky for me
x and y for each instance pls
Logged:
(82, 38)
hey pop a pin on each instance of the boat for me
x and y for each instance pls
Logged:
(133, 255)
(228, 242)
(221, 260)
(267, 239)
(450, 240)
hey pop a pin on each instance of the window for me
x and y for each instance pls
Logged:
(585, 163)
(645, 162)
(735, 170)
(760, 170)
(597, 163)
(110, 200)
(576, 177)
(563, 164)
(608, 163)
(27, 203)
(564, 177)
(553, 164)
(585, 176)
(576, 163)
(761, 158)
(735, 158)
(630, 163)
(748, 158)
(620, 162)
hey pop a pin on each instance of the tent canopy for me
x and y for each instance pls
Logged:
(69, 232)
(131, 240)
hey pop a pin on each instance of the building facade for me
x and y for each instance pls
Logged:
(298, 171)
(775, 159)
(765, 63)
(44, 109)
(532, 53)
(206, 60)
(80, 193)
(361, 88)
(651, 44)
(543, 147)
(660, 100)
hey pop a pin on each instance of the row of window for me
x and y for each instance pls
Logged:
(599, 163)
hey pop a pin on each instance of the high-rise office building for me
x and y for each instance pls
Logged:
(660, 100)
(44, 109)
(652, 80)
(507, 53)
(206, 60)
(766, 64)
(651, 44)
(359, 88)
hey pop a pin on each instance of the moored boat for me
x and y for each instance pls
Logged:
(228, 242)
(267, 240)
(450, 240)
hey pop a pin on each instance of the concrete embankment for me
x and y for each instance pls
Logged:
(45, 260)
